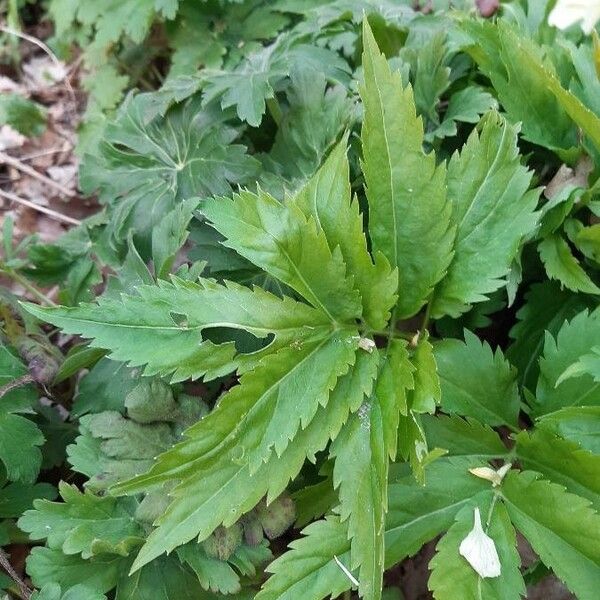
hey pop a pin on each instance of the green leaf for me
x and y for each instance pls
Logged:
(561, 461)
(463, 437)
(100, 573)
(262, 413)
(20, 438)
(574, 339)
(148, 164)
(562, 266)
(464, 106)
(453, 577)
(561, 528)
(53, 591)
(477, 382)
(426, 394)
(176, 313)
(104, 387)
(327, 199)
(316, 116)
(528, 87)
(492, 211)
(24, 115)
(252, 83)
(16, 498)
(361, 452)
(280, 239)
(309, 570)
(409, 216)
(580, 424)
(546, 308)
(84, 524)
(416, 515)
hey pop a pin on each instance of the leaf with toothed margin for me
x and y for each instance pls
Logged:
(212, 464)
(162, 326)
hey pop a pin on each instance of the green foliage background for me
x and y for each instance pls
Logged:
(328, 281)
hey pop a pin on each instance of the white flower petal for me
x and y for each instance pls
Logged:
(567, 12)
(479, 550)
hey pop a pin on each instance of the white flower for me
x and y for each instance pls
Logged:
(567, 12)
(479, 550)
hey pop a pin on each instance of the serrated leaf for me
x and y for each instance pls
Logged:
(408, 208)
(477, 382)
(84, 524)
(281, 240)
(579, 424)
(492, 212)
(361, 452)
(529, 89)
(208, 463)
(561, 461)
(574, 339)
(463, 437)
(546, 308)
(562, 266)
(416, 515)
(426, 394)
(20, 438)
(148, 164)
(131, 325)
(453, 577)
(561, 528)
(327, 199)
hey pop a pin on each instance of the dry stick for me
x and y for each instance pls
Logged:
(42, 209)
(46, 49)
(17, 164)
(5, 563)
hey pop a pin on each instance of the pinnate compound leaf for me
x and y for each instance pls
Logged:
(575, 339)
(161, 327)
(477, 382)
(409, 215)
(218, 483)
(327, 199)
(53, 591)
(453, 577)
(492, 212)
(562, 266)
(20, 438)
(561, 528)
(282, 241)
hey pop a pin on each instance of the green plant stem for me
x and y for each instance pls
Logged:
(30, 288)
(275, 110)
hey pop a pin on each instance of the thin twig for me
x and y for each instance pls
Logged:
(5, 563)
(46, 49)
(17, 164)
(43, 209)
(13, 385)
(30, 288)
